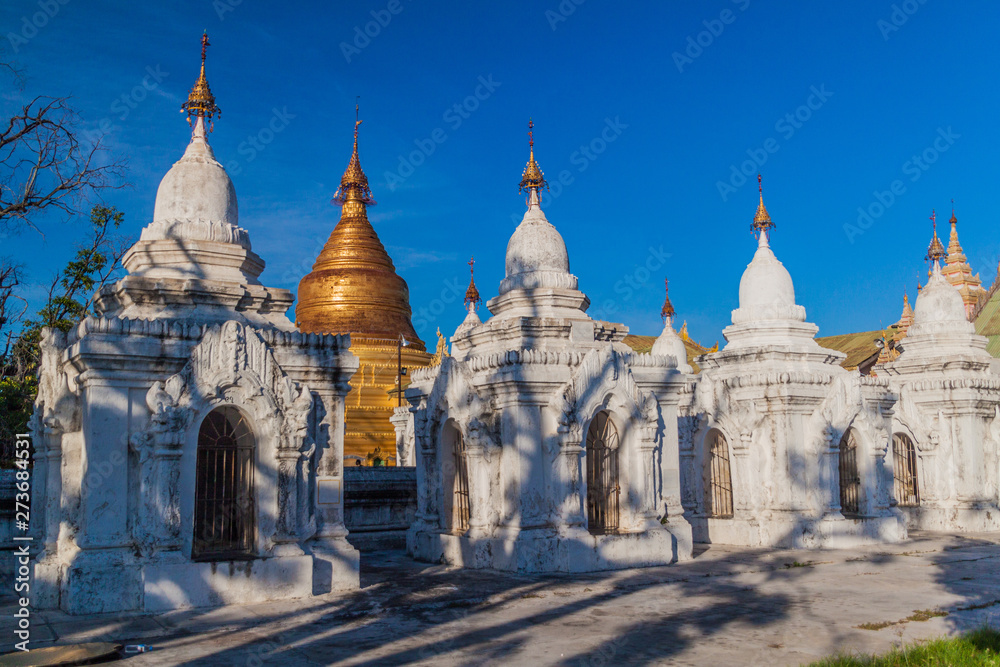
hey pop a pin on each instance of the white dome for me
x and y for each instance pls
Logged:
(471, 321)
(197, 187)
(536, 255)
(940, 302)
(536, 246)
(670, 344)
(766, 281)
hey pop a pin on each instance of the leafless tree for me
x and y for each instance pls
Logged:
(44, 166)
(13, 307)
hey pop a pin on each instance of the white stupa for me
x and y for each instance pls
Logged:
(194, 260)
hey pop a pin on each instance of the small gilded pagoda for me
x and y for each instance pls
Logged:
(957, 271)
(354, 288)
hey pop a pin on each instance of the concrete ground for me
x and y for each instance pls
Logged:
(726, 607)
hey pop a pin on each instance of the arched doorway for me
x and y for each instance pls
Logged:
(224, 508)
(719, 480)
(850, 480)
(455, 490)
(602, 475)
(904, 471)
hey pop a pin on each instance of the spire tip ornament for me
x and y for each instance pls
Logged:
(935, 251)
(472, 299)
(201, 102)
(532, 178)
(354, 190)
(762, 224)
(667, 312)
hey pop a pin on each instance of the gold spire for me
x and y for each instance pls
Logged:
(761, 220)
(472, 299)
(353, 287)
(954, 247)
(532, 177)
(905, 320)
(200, 101)
(354, 193)
(442, 349)
(668, 308)
(957, 269)
(935, 251)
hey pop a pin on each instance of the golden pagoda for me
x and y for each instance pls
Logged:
(353, 288)
(958, 272)
(905, 320)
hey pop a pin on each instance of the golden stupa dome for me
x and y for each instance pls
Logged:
(353, 286)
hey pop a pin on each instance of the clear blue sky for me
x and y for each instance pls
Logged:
(661, 131)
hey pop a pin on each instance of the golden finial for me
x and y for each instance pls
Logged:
(200, 101)
(935, 251)
(667, 311)
(761, 220)
(532, 177)
(442, 349)
(472, 299)
(354, 183)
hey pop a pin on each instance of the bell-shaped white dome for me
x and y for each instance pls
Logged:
(536, 246)
(197, 187)
(671, 345)
(766, 289)
(471, 321)
(939, 302)
(536, 254)
(766, 281)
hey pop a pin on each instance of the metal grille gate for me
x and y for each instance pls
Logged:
(460, 508)
(850, 480)
(904, 459)
(720, 482)
(602, 475)
(224, 507)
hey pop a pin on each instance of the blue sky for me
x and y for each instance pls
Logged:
(645, 111)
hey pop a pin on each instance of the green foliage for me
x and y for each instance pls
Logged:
(16, 399)
(69, 301)
(980, 647)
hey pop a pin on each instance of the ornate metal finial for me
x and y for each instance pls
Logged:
(472, 299)
(667, 312)
(761, 220)
(532, 177)
(953, 218)
(354, 182)
(935, 251)
(200, 101)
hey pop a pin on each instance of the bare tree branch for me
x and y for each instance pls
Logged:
(13, 307)
(43, 164)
